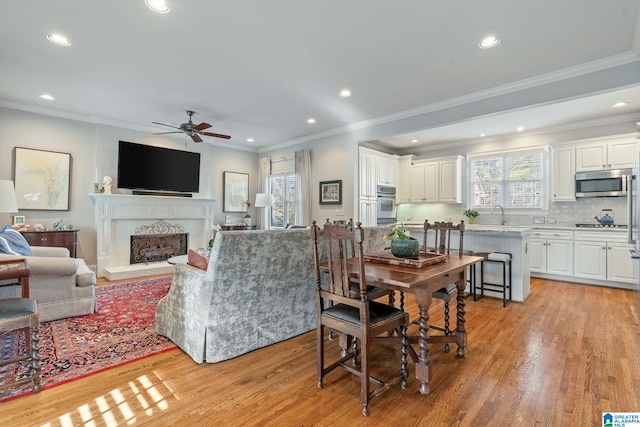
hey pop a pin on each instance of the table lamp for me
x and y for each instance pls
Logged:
(264, 200)
(8, 203)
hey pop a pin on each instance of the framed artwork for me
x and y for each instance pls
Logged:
(18, 220)
(41, 179)
(235, 191)
(331, 192)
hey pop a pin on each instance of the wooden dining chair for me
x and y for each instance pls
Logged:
(20, 315)
(361, 318)
(440, 242)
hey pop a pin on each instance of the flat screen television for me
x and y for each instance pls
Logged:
(145, 167)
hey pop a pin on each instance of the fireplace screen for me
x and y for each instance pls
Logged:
(157, 242)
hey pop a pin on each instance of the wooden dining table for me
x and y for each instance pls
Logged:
(422, 282)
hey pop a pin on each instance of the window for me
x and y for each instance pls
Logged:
(283, 188)
(512, 180)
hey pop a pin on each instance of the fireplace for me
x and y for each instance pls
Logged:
(157, 242)
(118, 216)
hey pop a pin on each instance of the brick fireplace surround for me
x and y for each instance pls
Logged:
(118, 215)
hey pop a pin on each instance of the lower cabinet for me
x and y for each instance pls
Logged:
(551, 252)
(368, 212)
(603, 258)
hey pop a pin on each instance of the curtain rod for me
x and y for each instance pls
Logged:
(281, 159)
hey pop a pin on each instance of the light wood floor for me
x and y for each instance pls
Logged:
(562, 358)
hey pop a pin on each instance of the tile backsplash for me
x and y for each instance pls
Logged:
(564, 214)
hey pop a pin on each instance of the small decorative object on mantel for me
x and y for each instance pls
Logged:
(403, 246)
(471, 215)
(106, 184)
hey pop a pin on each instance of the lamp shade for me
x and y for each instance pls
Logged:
(264, 200)
(8, 202)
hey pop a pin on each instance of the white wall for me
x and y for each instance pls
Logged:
(95, 147)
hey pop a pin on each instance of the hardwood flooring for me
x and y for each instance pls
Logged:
(562, 358)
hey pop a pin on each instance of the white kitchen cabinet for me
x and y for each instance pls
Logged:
(604, 155)
(451, 180)
(368, 174)
(368, 212)
(564, 172)
(386, 171)
(437, 181)
(375, 168)
(602, 256)
(551, 252)
(403, 193)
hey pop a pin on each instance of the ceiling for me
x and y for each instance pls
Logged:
(258, 69)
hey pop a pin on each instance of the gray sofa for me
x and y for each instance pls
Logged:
(63, 286)
(258, 290)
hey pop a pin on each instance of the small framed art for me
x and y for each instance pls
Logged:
(331, 192)
(17, 220)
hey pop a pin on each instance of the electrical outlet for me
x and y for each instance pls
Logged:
(538, 220)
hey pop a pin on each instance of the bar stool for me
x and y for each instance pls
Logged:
(504, 259)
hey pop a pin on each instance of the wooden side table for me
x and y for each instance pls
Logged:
(16, 269)
(61, 238)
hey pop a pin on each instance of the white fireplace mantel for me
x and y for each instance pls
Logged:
(118, 215)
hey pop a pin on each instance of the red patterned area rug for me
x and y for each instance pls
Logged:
(123, 330)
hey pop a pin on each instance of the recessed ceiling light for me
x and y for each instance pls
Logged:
(345, 93)
(489, 42)
(47, 97)
(520, 128)
(249, 139)
(159, 6)
(483, 134)
(413, 141)
(620, 104)
(311, 120)
(58, 39)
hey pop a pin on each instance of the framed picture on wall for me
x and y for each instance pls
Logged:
(235, 191)
(41, 179)
(331, 192)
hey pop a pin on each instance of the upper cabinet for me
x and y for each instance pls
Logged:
(564, 172)
(437, 180)
(604, 155)
(375, 168)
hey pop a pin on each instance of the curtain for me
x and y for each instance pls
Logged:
(303, 187)
(263, 175)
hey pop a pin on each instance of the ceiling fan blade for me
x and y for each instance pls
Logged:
(165, 133)
(164, 124)
(196, 138)
(216, 135)
(202, 126)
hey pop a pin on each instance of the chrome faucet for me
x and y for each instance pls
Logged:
(502, 220)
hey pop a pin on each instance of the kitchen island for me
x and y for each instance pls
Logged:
(496, 238)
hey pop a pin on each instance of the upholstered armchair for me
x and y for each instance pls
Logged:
(63, 286)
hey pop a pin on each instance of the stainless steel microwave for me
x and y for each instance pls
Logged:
(609, 183)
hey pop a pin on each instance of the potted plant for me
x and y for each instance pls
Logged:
(471, 215)
(403, 246)
(247, 217)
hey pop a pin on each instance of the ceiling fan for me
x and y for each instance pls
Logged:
(194, 131)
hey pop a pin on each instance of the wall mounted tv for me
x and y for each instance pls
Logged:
(145, 167)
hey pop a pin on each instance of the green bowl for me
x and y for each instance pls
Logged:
(405, 248)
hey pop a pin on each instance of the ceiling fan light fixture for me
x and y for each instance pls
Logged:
(489, 42)
(58, 39)
(160, 6)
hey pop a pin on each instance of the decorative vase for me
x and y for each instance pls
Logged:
(402, 248)
(471, 220)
